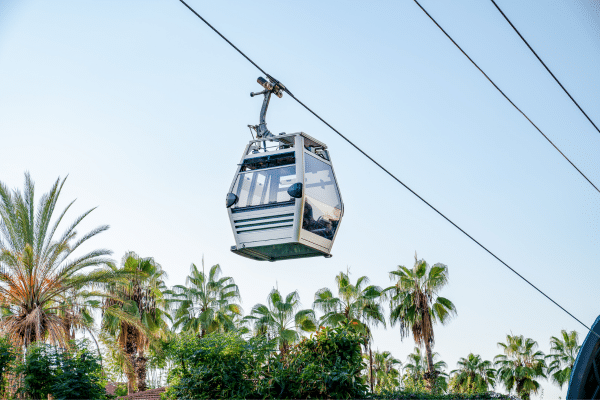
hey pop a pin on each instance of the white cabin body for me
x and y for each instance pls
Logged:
(267, 222)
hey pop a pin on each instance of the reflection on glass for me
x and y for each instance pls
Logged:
(323, 207)
(261, 187)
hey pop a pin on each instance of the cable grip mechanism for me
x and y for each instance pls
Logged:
(271, 86)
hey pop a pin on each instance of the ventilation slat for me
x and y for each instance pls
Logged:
(273, 227)
(265, 223)
(263, 218)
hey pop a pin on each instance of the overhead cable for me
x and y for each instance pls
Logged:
(507, 98)
(545, 66)
(393, 176)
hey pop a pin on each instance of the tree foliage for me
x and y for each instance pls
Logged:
(385, 372)
(281, 319)
(416, 305)
(326, 365)
(8, 355)
(73, 373)
(416, 368)
(563, 353)
(40, 269)
(521, 365)
(135, 313)
(206, 303)
(356, 304)
(224, 365)
(219, 365)
(78, 376)
(473, 375)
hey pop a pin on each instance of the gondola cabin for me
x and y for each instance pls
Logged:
(284, 201)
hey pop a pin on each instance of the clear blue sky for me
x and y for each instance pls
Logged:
(146, 110)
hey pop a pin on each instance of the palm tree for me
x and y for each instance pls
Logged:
(357, 305)
(206, 303)
(417, 366)
(563, 354)
(473, 375)
(135, 313)
(417, 363)
(520, 365)
(281, 319)
(416, 306)
(40, 271)
(387, 376)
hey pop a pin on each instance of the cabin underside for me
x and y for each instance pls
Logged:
(276, 252)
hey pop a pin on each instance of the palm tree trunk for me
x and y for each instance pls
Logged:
(371, 365)
(430, 375)
(140, 371)
(283, 349)
(130, 351)
(520, 392)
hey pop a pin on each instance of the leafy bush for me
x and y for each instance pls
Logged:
(74, 373)
(79, 376)
(216, 366)
(38, 371)
(7, 358)
(326, 365)
(121, 390)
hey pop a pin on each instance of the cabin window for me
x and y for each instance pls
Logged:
(268, 161)
(264, 186)
(323, 206)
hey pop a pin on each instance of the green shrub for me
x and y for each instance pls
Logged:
(79, 376)
(7, 358)
(326, 365)
(74, 373)
(38, 371)
(121, 390)
(216, 366)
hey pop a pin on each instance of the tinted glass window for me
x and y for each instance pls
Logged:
(268, 161)
(261, 187)
(323, 207)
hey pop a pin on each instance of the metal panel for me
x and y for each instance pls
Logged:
(259, 238)
(264, 224)
(315, 240)
(313, 140)
(285, 251)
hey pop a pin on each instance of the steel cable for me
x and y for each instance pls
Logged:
(545, 66)
(507, 98)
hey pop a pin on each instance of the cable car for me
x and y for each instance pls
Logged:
(284, 201)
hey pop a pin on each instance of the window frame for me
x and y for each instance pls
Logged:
(261, 170)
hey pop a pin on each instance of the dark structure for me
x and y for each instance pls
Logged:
(152, 394)
(585, 377)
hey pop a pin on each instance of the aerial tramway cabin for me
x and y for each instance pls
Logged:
(284, 201)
